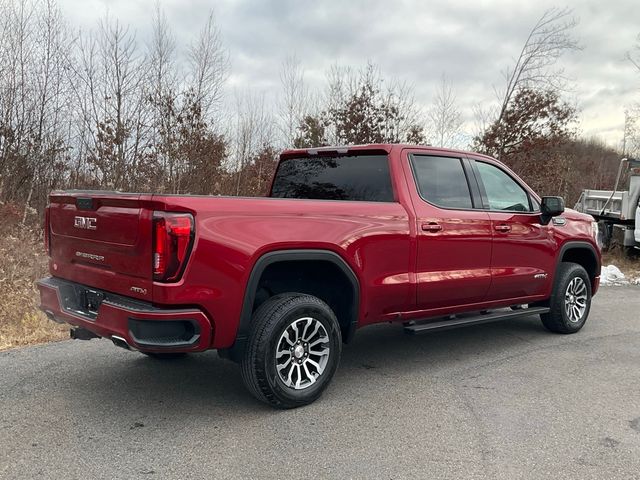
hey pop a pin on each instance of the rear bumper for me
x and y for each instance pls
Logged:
(143, 326)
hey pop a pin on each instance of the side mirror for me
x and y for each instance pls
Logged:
(551, 207)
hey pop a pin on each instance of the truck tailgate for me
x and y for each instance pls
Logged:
(102, 240)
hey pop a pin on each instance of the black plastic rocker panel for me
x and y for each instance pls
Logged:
(473, 319)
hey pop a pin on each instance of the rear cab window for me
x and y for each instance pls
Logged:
(364, 178)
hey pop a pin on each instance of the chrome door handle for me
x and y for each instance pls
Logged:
(431, 227)
(502, 228)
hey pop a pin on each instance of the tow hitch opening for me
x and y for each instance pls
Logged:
(82, 334)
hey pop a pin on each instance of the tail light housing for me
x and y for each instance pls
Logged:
(173, 235)
(47, 232)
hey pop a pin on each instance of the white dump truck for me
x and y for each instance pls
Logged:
(617, 211)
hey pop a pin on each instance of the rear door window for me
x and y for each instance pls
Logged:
(357, 178)
(442, 181)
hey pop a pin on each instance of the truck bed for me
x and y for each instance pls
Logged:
(615, 205)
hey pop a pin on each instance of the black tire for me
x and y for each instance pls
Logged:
(558, 320)
(269, 322)
(165, 355)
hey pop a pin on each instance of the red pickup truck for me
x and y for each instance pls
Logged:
(349, 236)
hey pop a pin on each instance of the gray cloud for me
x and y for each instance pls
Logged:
(412, 40)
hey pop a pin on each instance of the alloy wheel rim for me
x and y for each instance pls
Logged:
(575, 300)
(302, 353)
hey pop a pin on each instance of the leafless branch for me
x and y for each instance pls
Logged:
(546, 42)
(209, 63)
(445, 116)
(293, 104)
(634, 55)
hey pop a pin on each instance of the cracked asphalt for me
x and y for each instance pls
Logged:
(506, 400)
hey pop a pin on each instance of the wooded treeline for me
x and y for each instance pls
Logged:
(103, 109)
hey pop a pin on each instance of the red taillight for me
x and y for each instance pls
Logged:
(47, 232)
(172, 238)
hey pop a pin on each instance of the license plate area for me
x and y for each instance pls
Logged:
(91, 301)
(81, 300)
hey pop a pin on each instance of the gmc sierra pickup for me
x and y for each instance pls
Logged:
(349, 236)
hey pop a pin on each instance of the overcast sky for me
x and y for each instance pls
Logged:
(413, 40)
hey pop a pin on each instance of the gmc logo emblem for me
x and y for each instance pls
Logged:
(85, 223)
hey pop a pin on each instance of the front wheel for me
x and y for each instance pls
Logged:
(293, 350)
(570, 300)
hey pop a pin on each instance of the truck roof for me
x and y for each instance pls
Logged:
(371, 147)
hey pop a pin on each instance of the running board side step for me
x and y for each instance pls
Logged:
(477, 319)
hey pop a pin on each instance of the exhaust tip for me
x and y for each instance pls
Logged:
(120, 342)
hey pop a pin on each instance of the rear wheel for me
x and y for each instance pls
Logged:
(293, 350)
(570, 301)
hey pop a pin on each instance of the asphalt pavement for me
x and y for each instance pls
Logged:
(506, 400)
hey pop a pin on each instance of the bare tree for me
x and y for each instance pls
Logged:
(50, 101)
(209, 65)
(252, 134)
(631, 137)
(634, 55)
(483, 117)
(113, 103)
(162, 93)
(406, 119)
(16, 58)
(161, 55)
(631, 133)
(533, 70)
(98, 111)
(33, 113)
(361, 107)
(547, 41)
(293, 104)
(445, 116)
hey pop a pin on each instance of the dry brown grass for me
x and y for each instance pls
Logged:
(630, 266)
(22, 262)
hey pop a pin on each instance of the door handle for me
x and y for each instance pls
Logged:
(431, 227)
(502, 228)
